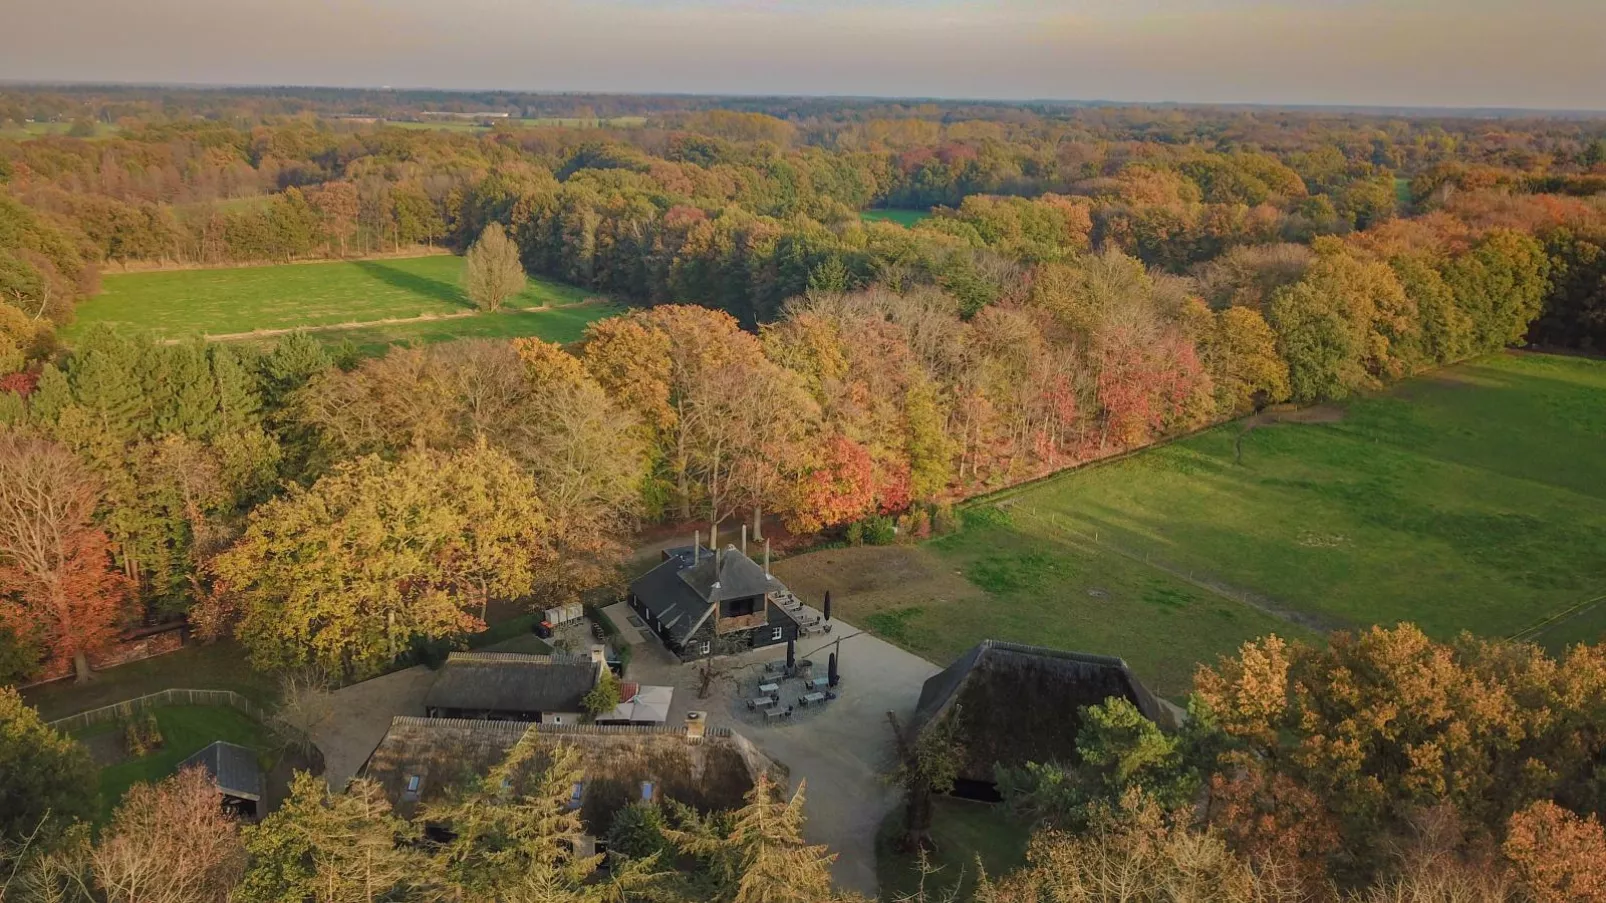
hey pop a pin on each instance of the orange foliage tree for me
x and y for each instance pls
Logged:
(57, 585)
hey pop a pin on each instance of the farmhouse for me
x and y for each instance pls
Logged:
(506, 686)
(421, 759)
(1017, 704)
(718, 602)
(234, 770)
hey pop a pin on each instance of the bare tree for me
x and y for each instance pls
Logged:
(493, 272)
(171, 843)
(305, 704)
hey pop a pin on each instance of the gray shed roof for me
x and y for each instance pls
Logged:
(510, 682)
(730, 575)
(232, 767)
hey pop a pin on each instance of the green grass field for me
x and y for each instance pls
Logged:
(186, 730)
(1472, 499)
(238, 300)
(962, 832)
(904, 218)
(218, 666)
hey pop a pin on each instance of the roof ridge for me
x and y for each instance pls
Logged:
(523, 727)
(1091, 658)
(518, 658)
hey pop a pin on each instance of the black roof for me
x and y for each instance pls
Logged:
(1019, 703)
(233, 768)
(729, 575)
(510, 682)
(682, 595)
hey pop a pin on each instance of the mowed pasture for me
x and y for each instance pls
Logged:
(234, 301)
(1471, 499)
(904, 218)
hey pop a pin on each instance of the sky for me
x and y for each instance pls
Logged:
(1547, 54)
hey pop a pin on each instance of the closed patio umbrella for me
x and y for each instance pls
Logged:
(830, 670)
(828, 605)
(791, 654)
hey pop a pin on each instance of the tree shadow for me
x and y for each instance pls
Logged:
(414, 283)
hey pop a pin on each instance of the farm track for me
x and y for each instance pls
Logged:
(364, 324)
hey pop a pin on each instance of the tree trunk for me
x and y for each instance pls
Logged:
(80, 665)
(758, 521)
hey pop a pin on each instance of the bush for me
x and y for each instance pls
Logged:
(855, 533)
(142, 735)
(943, 519)
(986, 516)
(880, 531)
(637, 831)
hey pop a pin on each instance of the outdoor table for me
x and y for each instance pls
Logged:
(772, 714)
(761, 702)
(820, 683)
(813, 698)
(769, 688)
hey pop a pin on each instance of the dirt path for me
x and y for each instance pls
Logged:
(388, 321)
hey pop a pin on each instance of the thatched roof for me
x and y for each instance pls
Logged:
(1018, 704)
(511, 682)
(233, 768)
(710, 773)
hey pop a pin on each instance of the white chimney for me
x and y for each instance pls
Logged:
(696, 547)
(767, 559)
(744, 539)
(696, 723)
(713, 543)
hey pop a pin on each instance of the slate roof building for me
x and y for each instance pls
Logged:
(506, 686)
(235, 771)
(1019, 704)
(704, 603)
(421, 759)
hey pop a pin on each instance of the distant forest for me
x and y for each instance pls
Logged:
(1087, 279)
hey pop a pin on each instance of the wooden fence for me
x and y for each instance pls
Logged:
(128, 707)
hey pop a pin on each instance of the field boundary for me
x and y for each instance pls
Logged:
(139, 267)
(1535, 629)
(365, 324)
(168, 697)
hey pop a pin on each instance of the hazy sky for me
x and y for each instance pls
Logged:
(1529, 53)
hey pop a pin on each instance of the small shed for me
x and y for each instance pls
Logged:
(640, 705)
(235, 771)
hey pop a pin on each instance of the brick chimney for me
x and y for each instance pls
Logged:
(696, 724)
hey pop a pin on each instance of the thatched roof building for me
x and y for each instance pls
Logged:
(420, 759)
(1018, 704)
(512, 686)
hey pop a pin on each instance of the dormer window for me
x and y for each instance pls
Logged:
(414, 782)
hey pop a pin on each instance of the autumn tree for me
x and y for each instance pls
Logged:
(56, 585)
(347, 574)
(762, 856)
(170, 842)
(1558, 857)
(330, 848)
(46, 778)
(492, 271)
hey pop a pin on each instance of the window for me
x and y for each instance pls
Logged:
(708, 647)
(646, 791)
(413, 783)
(776, 633)
(577, 795)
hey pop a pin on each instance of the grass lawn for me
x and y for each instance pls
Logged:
(962, 832)
(220, 666)
(1471, 499)
(224, 301)
(559, 324)
(186, 730)
(901, 217)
